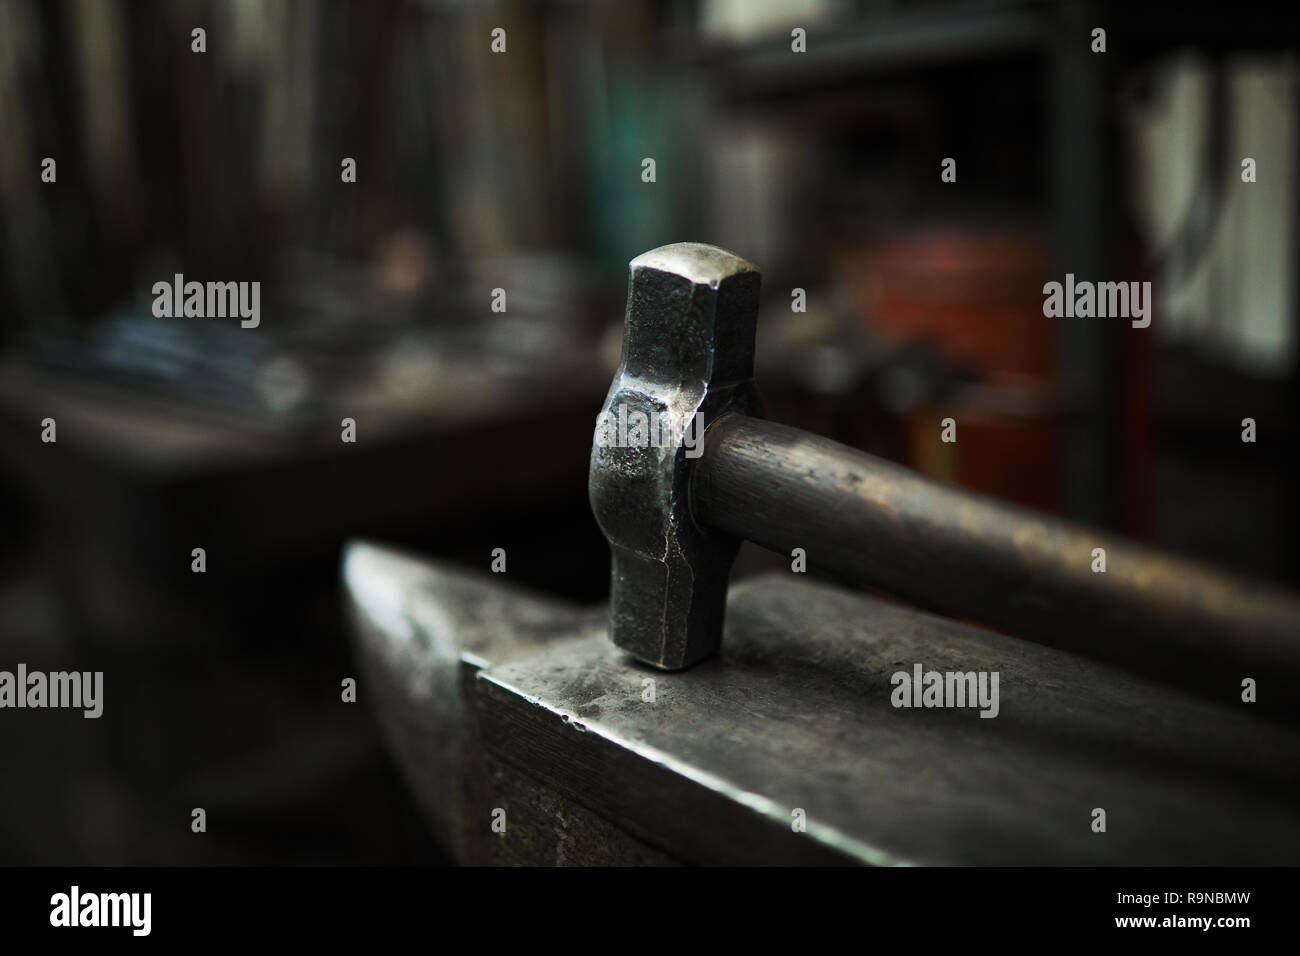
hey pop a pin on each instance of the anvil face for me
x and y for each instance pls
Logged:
(792, 746)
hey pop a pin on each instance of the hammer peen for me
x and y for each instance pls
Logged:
(674, 515)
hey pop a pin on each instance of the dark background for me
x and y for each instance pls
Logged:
(522, 171)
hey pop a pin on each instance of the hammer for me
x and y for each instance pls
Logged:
(683, 468)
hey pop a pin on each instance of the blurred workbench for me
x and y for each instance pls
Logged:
(136, 480)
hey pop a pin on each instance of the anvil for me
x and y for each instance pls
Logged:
(786, 748)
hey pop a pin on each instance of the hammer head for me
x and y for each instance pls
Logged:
(688, 360)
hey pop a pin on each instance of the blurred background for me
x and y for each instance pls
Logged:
(522, 171)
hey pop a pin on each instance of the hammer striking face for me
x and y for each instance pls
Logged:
(688, 360)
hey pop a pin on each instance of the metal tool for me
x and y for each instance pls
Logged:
(688, 351)
(674, 520)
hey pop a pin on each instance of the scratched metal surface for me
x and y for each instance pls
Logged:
(421, 630)
(796, 713)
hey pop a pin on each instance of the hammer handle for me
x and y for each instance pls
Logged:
(876, 523)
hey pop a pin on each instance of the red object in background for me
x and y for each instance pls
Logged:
(976, 295)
